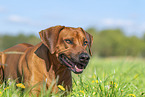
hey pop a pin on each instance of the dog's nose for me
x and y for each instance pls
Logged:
(84, 57)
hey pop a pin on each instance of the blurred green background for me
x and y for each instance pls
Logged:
(107, 43)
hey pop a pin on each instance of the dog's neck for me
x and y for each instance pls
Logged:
(43, 52)
(60, 70)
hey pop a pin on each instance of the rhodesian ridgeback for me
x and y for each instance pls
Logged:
(61, 50)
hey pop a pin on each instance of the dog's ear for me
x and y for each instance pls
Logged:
(90, 41)
(49, 37)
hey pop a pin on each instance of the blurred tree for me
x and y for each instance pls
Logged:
(7, 41)
(113, 42)
(109, 42)
(33, 40)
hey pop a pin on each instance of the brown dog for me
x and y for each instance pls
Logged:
(62, 50)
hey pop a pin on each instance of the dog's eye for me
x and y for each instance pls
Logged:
(85, 43)
(68, 41)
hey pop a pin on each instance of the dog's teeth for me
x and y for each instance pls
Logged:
(76, 67)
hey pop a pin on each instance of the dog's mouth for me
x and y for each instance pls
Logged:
(76, 67)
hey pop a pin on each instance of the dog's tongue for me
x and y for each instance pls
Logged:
(77, 69)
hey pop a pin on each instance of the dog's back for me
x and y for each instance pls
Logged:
(14, 53)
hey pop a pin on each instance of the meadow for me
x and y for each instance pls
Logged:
(103, 77)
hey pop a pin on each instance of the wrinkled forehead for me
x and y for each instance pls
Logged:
(76, 33)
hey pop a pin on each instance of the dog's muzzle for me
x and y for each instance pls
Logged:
(75, 66)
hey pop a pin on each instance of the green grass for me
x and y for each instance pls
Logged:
(126, 74)
(109, 77)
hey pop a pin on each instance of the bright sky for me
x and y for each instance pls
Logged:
(32, 16)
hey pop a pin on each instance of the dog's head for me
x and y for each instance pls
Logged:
(69, 44)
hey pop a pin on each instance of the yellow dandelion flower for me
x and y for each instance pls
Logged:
(61, 87)
(132, 95)
(20, 85)
(6, 88)
(97, 81)
(116, 85)
(121, 90)
(82, 92)
(93, 81)
(0, 93)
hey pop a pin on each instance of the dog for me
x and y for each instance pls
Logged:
(61, 50)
